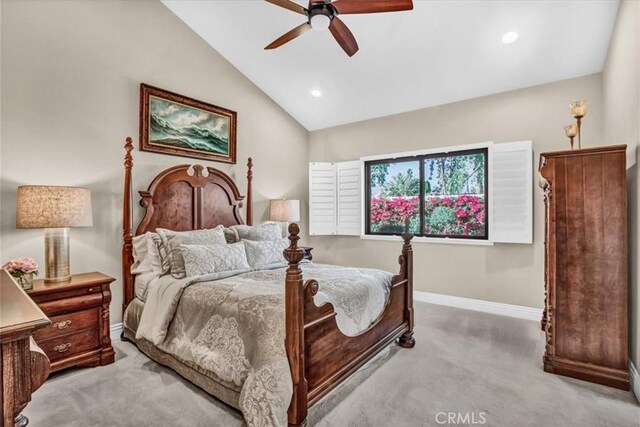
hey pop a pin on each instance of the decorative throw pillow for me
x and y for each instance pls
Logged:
(266, 231)
(173, 239)
(208, 259)
(266, 254)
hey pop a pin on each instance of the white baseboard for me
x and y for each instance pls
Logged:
(635, 380)
(501, 309)
(115, 331)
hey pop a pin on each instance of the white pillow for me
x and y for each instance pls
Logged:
(164, 259)
(153, 253)
(140, 264)
(172, 241)
(146, 258)
(266, 254)
(207, 259)
(266, 231)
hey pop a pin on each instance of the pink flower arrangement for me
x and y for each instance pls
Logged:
(20, 266)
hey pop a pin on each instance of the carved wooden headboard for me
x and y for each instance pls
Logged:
(179, 200)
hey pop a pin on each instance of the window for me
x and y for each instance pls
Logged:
(473, 194)
(394, 197)
(434, 195)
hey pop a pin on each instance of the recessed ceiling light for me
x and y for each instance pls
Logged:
(509, 37)
(316, 92)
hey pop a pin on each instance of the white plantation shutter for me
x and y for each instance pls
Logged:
(322, 198)
(511, 192)
(349, 217)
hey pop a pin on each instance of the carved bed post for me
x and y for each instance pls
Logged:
(127, 236)
(294, 321)
(407, 340)
(249, 195)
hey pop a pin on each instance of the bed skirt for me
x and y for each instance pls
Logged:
(206, 380)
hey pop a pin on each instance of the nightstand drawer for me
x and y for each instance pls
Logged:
(52, 308)
(69, 323)
(66, 345)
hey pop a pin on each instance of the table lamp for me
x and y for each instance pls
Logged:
(283, 210)
(55, 209)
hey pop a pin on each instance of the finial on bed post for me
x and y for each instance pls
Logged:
(127, 236)
(294, 230)
(294, 322)
(249, 195)
(406, 340)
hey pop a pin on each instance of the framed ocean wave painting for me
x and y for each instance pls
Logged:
(182, 126)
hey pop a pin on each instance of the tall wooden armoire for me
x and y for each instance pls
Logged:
(586, 283)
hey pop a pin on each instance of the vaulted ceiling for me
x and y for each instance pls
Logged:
(440, 52)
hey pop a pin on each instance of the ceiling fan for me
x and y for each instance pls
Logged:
(323, 14)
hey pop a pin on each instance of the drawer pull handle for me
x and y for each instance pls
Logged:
(62, 347)
(64, 324)
(90, 290)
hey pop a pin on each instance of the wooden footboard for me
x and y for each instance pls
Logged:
(320, 355)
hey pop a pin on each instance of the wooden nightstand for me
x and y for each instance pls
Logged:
(79, 334)
(307, 252)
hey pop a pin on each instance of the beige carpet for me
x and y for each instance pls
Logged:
(481, 366)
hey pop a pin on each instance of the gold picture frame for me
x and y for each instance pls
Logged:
(182, 126)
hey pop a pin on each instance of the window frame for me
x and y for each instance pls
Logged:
(420, 158)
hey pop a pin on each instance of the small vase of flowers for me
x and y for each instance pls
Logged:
(23, 269)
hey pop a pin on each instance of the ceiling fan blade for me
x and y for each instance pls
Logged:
(371, 6)
(288, 4)
(343, 36)
(285, 38)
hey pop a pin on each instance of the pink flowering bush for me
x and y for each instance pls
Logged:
(20, 266)
(458, 216)
(449, 216)
(389, 215)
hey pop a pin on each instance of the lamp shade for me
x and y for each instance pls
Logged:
(284, 210)
(53, 207)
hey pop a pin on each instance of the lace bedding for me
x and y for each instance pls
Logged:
(233, 325)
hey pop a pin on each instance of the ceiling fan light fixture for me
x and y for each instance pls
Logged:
(317, 93)
(320, 21)
(323, 15)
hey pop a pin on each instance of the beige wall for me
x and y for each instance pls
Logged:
(506, 273)
(70, 76)
(621, 90)
(68, 102)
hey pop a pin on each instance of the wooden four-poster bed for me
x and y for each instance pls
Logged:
(320, 356)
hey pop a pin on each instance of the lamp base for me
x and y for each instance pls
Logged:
(56, 255)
